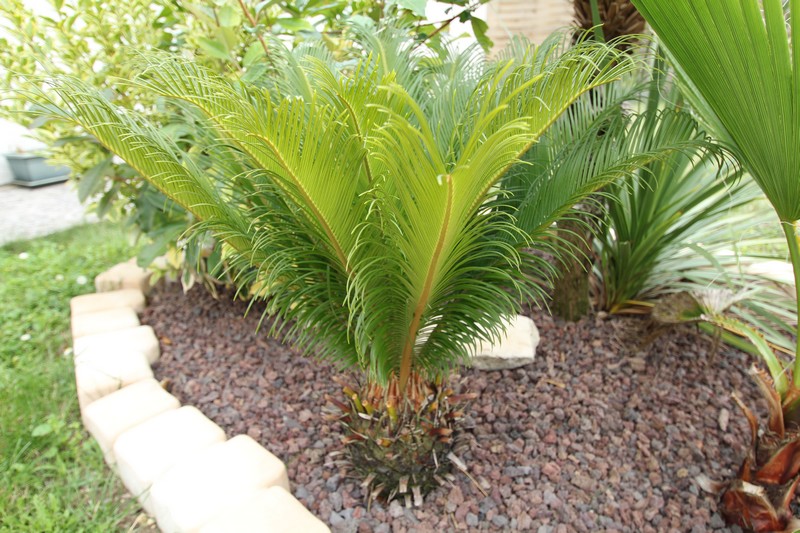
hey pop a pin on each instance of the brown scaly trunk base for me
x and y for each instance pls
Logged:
(571, 289)
(760, 497)
(619, 17)
(401, 446)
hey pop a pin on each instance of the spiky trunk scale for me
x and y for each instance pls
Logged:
(619, 17)
(401, 441)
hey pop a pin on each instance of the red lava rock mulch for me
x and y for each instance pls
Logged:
(591, 437)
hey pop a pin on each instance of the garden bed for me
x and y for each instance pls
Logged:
(592, 436)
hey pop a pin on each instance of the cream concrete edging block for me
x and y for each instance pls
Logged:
(103, 321)
(100, 371)
(140, 338)
(271, 510)
(146, 451)
(197, 489)
(123, 276)
(107, 418)
(174, 459)
(102, 301)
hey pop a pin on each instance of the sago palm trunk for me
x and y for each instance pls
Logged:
(571, 299)
(401, 442)
(610, 19)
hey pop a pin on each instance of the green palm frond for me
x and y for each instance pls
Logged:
(146, 149)
(573, 163)
(271, 133)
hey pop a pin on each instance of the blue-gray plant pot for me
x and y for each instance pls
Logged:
(31, 170)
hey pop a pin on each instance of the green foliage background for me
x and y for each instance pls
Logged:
(91, 41)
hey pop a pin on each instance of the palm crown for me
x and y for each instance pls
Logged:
(368, 200)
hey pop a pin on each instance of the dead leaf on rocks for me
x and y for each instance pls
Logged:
(637, 364)
(554, 382)
(724, 418)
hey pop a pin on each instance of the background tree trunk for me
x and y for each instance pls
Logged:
(571, 299)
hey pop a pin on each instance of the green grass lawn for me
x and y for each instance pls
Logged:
(52, 474)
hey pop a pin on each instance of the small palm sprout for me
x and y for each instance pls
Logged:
(370, 203)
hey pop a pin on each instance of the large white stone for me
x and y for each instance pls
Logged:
(148, 450)
(271, 510)
(103, 321)
(107, 418)
(197, 489)
(140, 338)
(516, 348)
(99, 372)
(101, 301)
(127, 275)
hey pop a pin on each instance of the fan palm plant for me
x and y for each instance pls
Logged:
(741, 63)
(691, 222)
(372, 205)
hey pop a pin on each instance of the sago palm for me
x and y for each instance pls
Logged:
(369, 203)
(619, 22)
(741, 62)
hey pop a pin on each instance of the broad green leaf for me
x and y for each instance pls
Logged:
(479, 28)
(295, 24)
(415, 6)
(214, 48)
(229, 37)
(255, 72)
(229, 16)
(263, 4)
(41, 430)
(253, 54)
(91, 181)
(159, 244)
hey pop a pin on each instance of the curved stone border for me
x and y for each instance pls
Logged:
(177, 462)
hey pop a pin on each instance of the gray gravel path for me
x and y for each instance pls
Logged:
(27, 213)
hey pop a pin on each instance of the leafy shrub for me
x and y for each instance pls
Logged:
(88, 40)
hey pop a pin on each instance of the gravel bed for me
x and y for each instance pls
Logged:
(593, 436)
